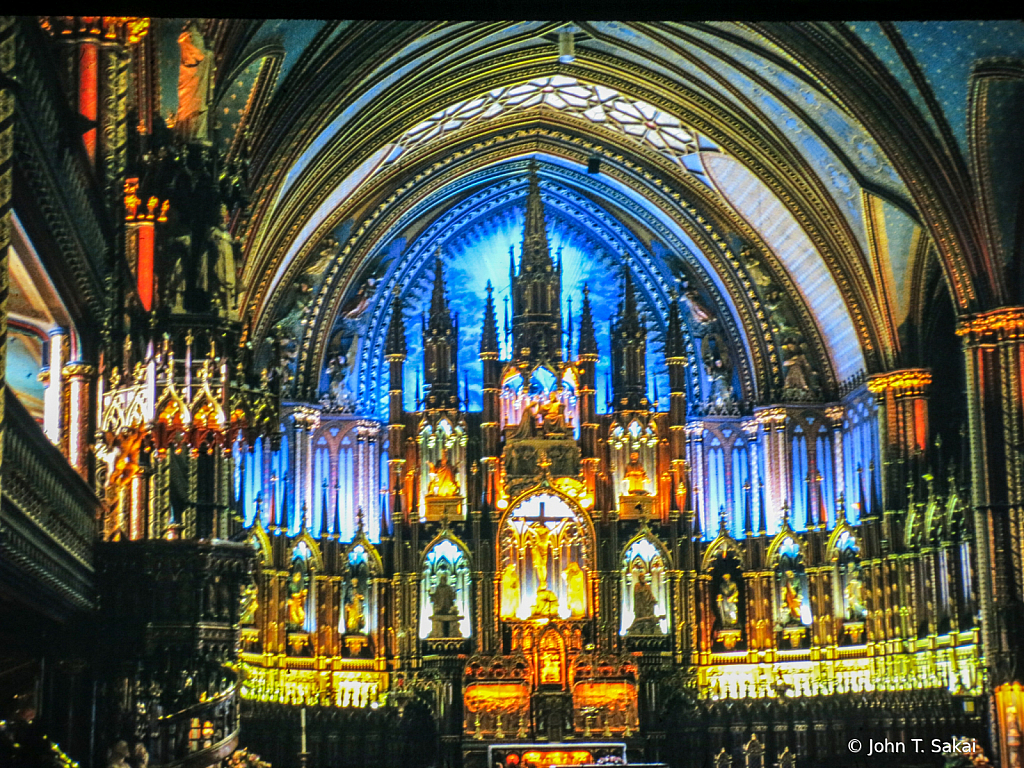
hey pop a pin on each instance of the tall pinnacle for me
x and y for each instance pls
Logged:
(629, 320)
(587, 342)
(440, 317)
(395, 344)
(674, 332)
(536, 251)
(489, 338)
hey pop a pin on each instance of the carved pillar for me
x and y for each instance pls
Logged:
(834, 415)
(902, 402)
(53, 399)
(994, 354)
(79, 377)
(695, 440)
(776, 459)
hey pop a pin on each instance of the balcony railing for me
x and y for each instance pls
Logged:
(200, 735)
(48, 517)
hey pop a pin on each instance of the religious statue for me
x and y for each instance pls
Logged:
(527, 423)
(728, 602)
(698, 311)
(645, 621)
(554, 416)
(192, 121)
(354, 618)
(297, 594)
(853, 594)
(718, 367)
(539, 548)
(442, 478)
(445, 616)
(576, 587)
(181, 254)
(636, 476)
(794, 363)
(509, 592)
(117, 755)
(223, 288)
(247, 614)
(792, 598)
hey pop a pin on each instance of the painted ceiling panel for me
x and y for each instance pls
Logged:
(946, 51)
(293, 34)
(793, 248)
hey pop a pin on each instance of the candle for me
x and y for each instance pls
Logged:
(303, 730)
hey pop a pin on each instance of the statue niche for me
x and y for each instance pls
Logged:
(445, 617)
(445, 587)
(544, 556)
(645, 591)
(728, 609)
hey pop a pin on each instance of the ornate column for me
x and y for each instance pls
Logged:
(994, 355)
(53, 400)
(94, 53)
(834, 415)
(902, 428)
(776, 458)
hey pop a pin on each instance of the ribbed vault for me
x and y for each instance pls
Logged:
(750, 174)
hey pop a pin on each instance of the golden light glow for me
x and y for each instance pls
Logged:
(904, 380)
(496, 696)
(1010, 320)
(564, 757)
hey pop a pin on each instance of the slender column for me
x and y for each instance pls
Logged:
(776, 459)
(834, 415)
(79, 377)
(994, 355)
(53, 400)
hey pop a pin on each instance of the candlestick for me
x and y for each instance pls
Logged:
(303, 730)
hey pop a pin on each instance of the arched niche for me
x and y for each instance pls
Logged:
(546, 558)
(300, 599)
(522, 389)
(726, 601)
(442, 443)
(362, 567)
(645, 589)
(844, 552)
(640, 437)
(792, 597)
(445, 567)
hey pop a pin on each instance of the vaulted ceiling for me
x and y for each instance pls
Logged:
(817, 174)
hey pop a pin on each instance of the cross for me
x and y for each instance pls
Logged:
(540, 518)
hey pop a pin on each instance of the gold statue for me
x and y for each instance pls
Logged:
(527, 423)
(297, 594)
(728, 602)
(442, 478)
(354, 619)
(194, 72)
(853, 593)
(509, 592)
(636, 476)
(554, 416)
(792, 598)
(539, 549)
(250, 603)
(576, 584)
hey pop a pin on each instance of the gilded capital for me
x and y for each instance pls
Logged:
(906, 382)
(1003, 324)
(126, 30)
